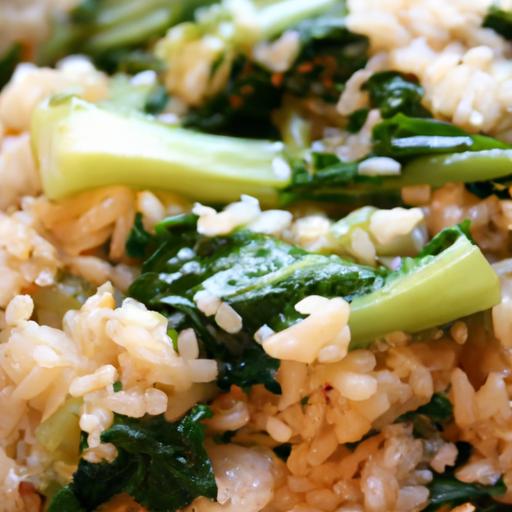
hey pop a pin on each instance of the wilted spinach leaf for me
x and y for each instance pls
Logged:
(162, 465)
(405, 137)
(392, 93)
(500, 20)
(262, 278)
(448, 491)
(8, 62)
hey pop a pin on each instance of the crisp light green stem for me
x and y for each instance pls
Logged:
(81, 146)
(467, 167)
(60, 433)
(456, 283)
(118, 11)
(130, 32)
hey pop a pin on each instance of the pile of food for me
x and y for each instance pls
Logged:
(256, 255)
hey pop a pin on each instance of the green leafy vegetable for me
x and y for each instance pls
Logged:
(80, 146)
(402, 136)
(430, 151)
(111, 31)
(328, 55)
(162, 465)
(448, 491)
(429, 419)
(357, 119)
(439, 409)
(262, 279)
(325, 177)
(156, 100)
(392, 93)
(445, 489)
(8, 62)
(500, 20)
(244, 105)
(442, 264)
(139, 241)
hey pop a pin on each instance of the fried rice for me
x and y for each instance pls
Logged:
(343, 433)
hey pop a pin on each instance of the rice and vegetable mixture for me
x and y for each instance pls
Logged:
(255, 255)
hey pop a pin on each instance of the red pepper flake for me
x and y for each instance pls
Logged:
(328, 83)
(325, 392)
(32, 501)
(236, 102)
(305, 67)
(247, 90)
(330, 61)
(277, 79)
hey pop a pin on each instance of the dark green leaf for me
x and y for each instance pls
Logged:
(445, 239)
(330, 55)
(84, 444)
(157, 100)
(392, 93)
(404, 137)
(357, 119)
(8, 62)
(119, 44)
(439, 409)
(175, 223)
(129, 61)
(283, 451)
(500, 21)
(428, 419)
(162, 465)
(139, 241)
(260, 277)
(498, 187)
(448, 491)
(65, 500)
(325, 177)
(244, 105)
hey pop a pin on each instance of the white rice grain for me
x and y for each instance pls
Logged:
(228, 319)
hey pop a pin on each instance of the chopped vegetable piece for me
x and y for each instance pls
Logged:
(316, 55)
(500, 20)
(450, 491)
(82, 146)
(412, 291)
(162, 465)
(60, 433)
(8, 62)
(110, 31)
(394, 93)
(263, 278)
